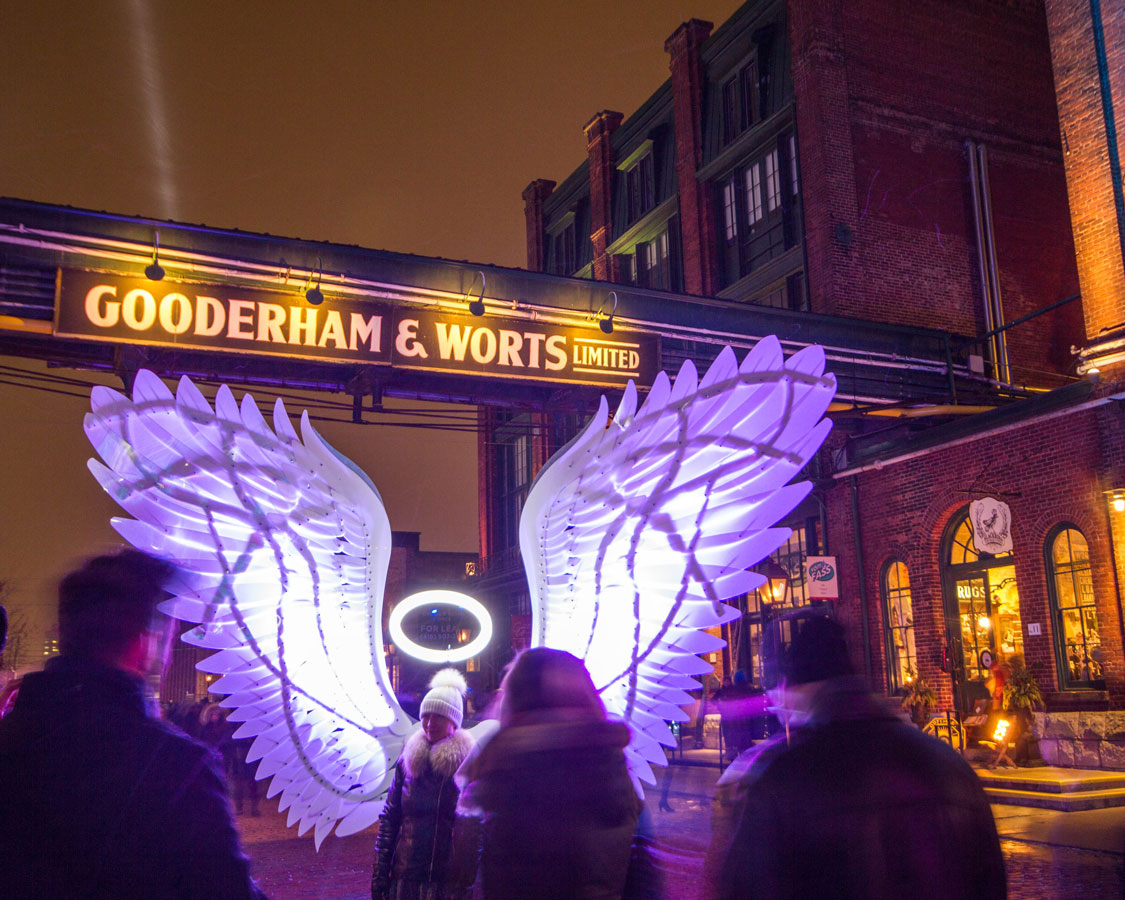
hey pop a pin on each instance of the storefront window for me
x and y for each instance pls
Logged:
(898, 609)
(982, 610)
(1077, 637)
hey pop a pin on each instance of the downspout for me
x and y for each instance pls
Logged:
(862, 585)
(999, 340)
(1110, 120)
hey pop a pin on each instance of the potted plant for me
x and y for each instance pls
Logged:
(1022, 697)
(920, 697)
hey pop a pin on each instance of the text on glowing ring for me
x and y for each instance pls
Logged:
(438, 598)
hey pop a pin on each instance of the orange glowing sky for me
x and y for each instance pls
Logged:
(401, 126)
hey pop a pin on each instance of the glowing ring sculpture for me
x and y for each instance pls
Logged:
(440, 598)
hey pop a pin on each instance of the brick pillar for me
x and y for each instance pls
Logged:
(822, 99)
(1091, 105)
(533, 196)
(598, 131)
(697, 213)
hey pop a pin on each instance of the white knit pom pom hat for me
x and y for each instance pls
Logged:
(446, 696)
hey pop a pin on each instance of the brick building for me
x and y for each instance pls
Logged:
(922, 165)
(898, 183)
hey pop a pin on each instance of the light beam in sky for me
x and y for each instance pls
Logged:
(156, 115)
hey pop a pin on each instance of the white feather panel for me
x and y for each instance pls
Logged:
(283, 547)
(634, 534)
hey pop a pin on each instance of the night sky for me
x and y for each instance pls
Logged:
(401, 126)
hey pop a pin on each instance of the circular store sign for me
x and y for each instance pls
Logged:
(440, 598)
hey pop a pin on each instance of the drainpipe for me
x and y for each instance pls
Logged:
(987, 269)
(999, 341)
(862, 585)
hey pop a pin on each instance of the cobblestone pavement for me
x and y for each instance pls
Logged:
(288, 867)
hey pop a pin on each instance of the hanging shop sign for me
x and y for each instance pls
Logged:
(992, 525)
(822, 581)
(185, 315)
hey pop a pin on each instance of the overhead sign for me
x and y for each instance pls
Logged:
(185, 315)
(518, 348)
(822, 581)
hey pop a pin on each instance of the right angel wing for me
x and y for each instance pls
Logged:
(634, 533)
(283, 547)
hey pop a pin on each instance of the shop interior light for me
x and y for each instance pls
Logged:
(154, 271)
(984, 622)
(1118, 498)
(476, 306)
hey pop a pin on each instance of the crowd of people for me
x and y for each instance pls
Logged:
(100, 798)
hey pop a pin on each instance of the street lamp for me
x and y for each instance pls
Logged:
(777, 580)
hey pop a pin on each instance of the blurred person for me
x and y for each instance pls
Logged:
(552, 787)
(848, 800)
(421, 851)
(98, 799)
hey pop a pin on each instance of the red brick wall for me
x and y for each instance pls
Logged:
(883, 114)
(533, 196)
(1059, 471)
(1094, 216)
(600, 150)
(699, 261)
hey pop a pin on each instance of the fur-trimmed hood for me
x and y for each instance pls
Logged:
(444, 757)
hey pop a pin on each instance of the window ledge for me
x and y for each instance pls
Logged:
(646, 227)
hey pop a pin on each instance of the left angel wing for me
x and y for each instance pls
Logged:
(283, 547)
(634, 533)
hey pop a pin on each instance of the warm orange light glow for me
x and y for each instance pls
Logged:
(1001, 733)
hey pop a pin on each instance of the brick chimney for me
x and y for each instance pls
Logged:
(533, 197)
(598, 131)
(1088, 55)
(697, 216)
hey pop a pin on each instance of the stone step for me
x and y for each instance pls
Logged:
(1000, 778)
(1068, 801)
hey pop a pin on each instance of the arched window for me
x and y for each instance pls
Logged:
(898, 617)
(1078, 644)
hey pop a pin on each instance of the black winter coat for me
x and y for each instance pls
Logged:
(99, 801)
(559, 810)
(860, 804)
(416, 839)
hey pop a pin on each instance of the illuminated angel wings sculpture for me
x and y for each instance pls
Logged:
(632, 536)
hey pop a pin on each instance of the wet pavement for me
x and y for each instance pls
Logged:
(1050, 855)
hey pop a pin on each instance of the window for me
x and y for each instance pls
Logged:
(754, 212)
(1078, 644)
(564, 258)
(730, 211)
(513, 465)
(759, 215)
(740, 101)
(773, 183)
(898, 614)
(788, 294)
(982, 607)
(640, 188)
(651, 266)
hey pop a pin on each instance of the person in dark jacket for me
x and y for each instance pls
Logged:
(849, 801)
(552, 787)
(99, 800)
(420, 853)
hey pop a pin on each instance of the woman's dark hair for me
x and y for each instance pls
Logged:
(110, 601)
(546, 679)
